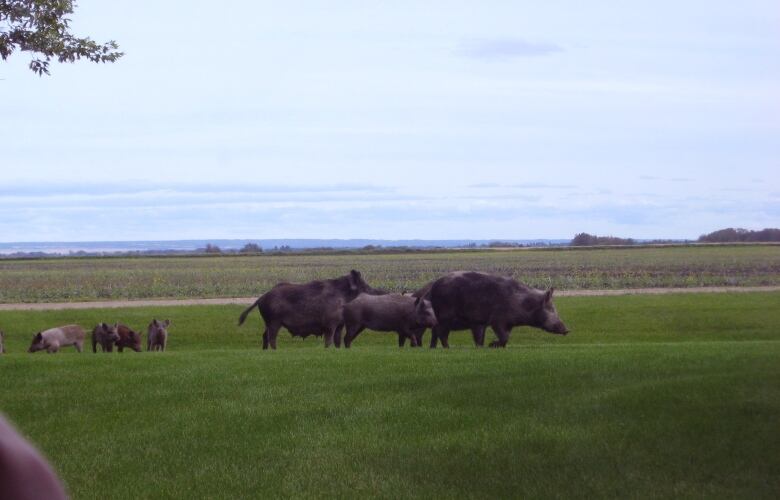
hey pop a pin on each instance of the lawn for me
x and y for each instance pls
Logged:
(649, 396)
(80, 279)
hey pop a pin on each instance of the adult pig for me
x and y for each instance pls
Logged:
(105, 335)
(472, 300)
(54, 338)
(313, 308)
(404, 314)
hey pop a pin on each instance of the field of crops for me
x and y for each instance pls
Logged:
(649, 396)
(81, 279)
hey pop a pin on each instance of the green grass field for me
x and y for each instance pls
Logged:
(80, 279)
(649, 396)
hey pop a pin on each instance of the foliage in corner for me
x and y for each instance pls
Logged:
(40, 27)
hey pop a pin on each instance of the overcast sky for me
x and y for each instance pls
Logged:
(404, 119)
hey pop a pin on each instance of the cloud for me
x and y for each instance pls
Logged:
(134, 188)
(523, 185)
(668, 179)
(506, 48)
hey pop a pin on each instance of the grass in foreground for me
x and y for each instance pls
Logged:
(650, 396)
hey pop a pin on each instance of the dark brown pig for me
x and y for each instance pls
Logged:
(472, 300)
(128, 338)
(313, 308)
(105, 335)
(406, 315)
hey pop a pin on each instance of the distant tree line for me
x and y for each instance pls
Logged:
(734, 235)
(588, 240)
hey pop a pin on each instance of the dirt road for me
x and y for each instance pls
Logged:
(244, 301)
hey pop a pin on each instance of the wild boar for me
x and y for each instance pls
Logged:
(313, 308)
(128, 338)
(406, 315)
(473, 300)
(157, 335)
(105, 335)
(54, 338)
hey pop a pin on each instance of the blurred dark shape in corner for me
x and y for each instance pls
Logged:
(24, 473)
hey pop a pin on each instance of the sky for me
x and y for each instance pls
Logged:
(405, 119)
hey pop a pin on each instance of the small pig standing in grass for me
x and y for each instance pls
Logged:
(157, 335)
(408, 316)
(128, 338)
(106, 335)
(54, 338)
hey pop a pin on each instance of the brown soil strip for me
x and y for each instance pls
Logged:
(244, 301)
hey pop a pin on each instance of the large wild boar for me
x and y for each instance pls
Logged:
(128, 338)
(404, 314)
(105, 335)
(472, 300)
(54, 338)
(313, 308)
(157, 335)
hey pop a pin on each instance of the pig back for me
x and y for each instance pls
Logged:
(466, 299)
(64, 334)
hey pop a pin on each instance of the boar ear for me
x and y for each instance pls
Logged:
(167, 322)
(103, 326)
(354, 279)
(548, 295)
(38, 336)
(154, 322)
(417, 301)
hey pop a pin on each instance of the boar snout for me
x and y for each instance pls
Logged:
(558, 328)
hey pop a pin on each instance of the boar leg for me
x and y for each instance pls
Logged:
(265, 339)
(337, 335)
(273, 331)
(418, 336)
(352, 332)
(441, 334)
(478, 333)
(79, 345)
(328, 332)
(435, 335)
(502, 334)
(94, 343)
(164, 342)
(406, 334)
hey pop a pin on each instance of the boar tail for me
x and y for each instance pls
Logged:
(248, 310)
